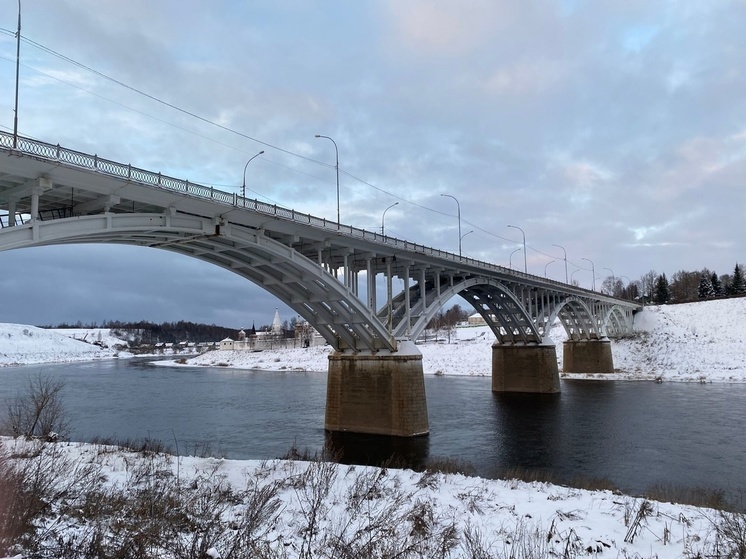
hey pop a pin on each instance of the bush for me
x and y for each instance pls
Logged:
(38, 412)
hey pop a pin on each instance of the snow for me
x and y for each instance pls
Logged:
(561, 519)
(28, 345)
(693, 342)
(697, 342)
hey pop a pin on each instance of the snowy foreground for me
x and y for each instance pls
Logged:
(695, 342)
(286, 508)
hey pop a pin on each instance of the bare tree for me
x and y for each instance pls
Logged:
(38, 411)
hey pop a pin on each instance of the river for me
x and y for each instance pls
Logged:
(635, 434)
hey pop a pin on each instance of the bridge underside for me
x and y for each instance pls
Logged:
(327, 272)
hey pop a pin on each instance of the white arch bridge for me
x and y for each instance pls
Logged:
(329, 273)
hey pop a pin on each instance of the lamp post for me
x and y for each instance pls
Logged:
(525, 264)
(462, 238)
(546, 265)
(336, 167)
(18, 67)
(613, 277)
(572, 276)
(510, 260)
(563, 250)
(458, 208)
(243, 186)
(593, 271)
(384, 215)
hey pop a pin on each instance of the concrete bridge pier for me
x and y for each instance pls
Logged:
(380, 394)
(587, 356)
(525, 368)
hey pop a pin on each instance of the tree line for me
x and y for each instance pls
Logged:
(683, 287)
(150, 333)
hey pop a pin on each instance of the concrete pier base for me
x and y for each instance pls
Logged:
(381, 394)
(525, 368)
(587, 356)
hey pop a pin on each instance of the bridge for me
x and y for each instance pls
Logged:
(327, 272)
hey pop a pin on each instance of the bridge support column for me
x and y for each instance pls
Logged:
(525, 368)
(587, 356)
(381, 394)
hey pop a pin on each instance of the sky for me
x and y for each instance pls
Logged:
(615, 130)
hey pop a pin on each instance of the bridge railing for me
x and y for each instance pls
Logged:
(134, 174)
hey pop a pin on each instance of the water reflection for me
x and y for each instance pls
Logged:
(527, 431)
(635, 434)
(377, 450)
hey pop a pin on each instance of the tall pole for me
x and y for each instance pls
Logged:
(546, 265)
(525, 263)
(18, 69)
(510, 260)
(336, 167)
(243, 186)
(563, 250)
(383, 217)
(458, 208)
(613, 277)
(593, 271)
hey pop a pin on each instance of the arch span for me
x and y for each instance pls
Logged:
(498, 305)
(282, 271)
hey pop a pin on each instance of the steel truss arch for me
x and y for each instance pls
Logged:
(316, 295)
(617, 322)
(577, 319)
(495, 302)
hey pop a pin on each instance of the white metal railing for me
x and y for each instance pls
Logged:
(142, 176)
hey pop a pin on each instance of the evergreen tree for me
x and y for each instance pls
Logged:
(662, 293)
(738, 285)
(717, 285)
(706, 290)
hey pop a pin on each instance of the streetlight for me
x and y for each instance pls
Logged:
(18, 66)
(572, 276)
(593, 271)
(336, 166)
(458, 207)
(525, 264)
(243, 186)
(384, 215)
(464, 235)
(510, 260)
(545, 267)
(563, 250)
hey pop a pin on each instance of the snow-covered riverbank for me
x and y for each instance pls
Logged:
(695, 342)
(286, 508)
(476, 517)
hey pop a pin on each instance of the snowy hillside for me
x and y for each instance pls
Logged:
(28, 345)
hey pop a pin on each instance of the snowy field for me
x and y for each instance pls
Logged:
(315, 509)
